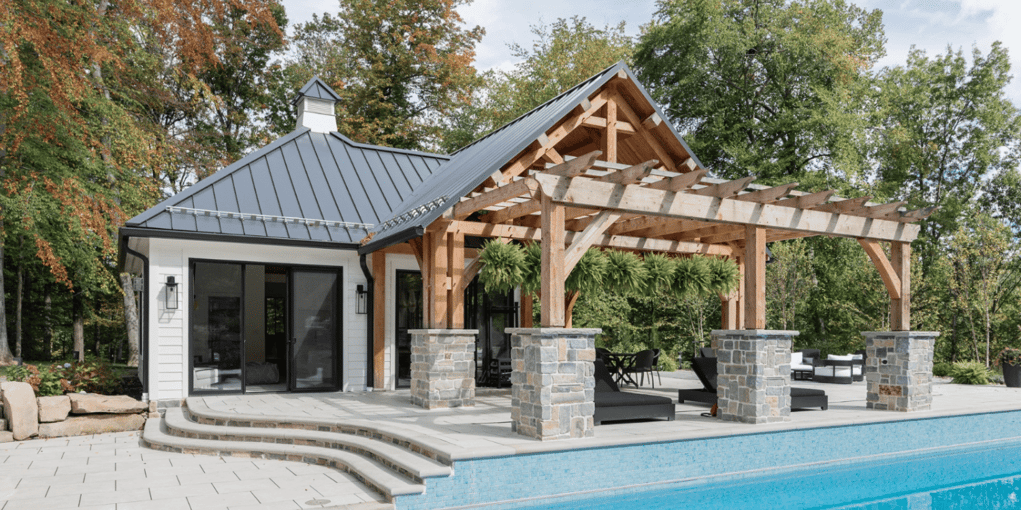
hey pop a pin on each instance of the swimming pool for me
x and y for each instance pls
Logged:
(986, 475)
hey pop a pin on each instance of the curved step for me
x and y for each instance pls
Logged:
(402, 460)
(428, 446)
(370, 472)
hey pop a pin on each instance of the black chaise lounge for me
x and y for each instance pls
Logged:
(705, 369)
(613, 404)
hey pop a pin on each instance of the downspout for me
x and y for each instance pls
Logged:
(370, 375)
(143, 325)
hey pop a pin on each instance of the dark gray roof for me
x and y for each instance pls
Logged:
(474, 163)
(314, 176)
(317, 89)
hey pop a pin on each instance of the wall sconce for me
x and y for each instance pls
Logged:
(361, 300)
(171, 293)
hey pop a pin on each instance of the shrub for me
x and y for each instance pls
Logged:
(45, 382)
(942, 369)
(1009, 356)
(91, 376)
(970, 372)
(667, 363)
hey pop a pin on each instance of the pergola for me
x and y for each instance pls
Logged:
(609, 172)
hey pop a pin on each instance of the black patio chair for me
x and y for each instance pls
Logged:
(705, 369)
(655, 365)
(644, 364)
(707, 352)
(612, 404)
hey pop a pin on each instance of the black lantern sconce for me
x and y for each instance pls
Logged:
(361, 300)
(171, 293)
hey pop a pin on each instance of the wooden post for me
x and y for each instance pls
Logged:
(435, 280)
(755, 278)
(569, 301)
(900, 309)
(378, 319)
(552, 305)
(526, 311)
(455, 269)
(728, 311)
(609, 140)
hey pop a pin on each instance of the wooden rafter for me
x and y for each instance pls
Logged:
(724, 189)
(768, 195)
(843, 205)
(573, 167)
(581, 243)
(807, 201)
(911, 216)
(504, 193)
(877, 211)
(600, 123)
(645, 134)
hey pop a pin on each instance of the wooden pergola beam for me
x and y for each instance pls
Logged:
(910, 216)
(600, 123)
(581, 243)
(807, 201)
(643, 200)
(646, 135)
(769, 195)
(724, 189)
(877, 211)
(465, 208)
(574, 167)
(843, 206)
(518, 232)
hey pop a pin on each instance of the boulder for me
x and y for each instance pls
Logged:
(89, 403)
(21, 409)
(92, 424)
(53, 409)
(6, 437)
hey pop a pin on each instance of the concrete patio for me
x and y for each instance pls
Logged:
(114, 471)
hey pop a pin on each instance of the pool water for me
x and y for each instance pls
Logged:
(978, 476)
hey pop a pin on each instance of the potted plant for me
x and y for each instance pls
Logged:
(1010, 360)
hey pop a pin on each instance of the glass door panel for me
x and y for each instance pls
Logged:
(409, 316)
(216, 338)
(315, 326)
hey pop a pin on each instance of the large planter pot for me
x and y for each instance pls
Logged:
(1012, 375)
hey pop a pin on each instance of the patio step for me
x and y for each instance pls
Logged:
(422, 444)
(372, 473)
(409, 464)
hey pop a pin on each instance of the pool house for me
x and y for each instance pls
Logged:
(319, 264)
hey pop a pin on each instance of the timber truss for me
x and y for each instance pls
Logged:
(612, 174)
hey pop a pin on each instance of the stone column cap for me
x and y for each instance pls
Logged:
(547, 331)
(900, 333)
(444, 331)
(755, 332)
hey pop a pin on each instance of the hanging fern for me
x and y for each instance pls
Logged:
(588, 273)
(625, 273)
(725, 276)
(503, 266)
(532, 281)
(660, 273)
(691, 277)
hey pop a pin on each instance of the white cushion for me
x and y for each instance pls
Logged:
(857, 356)
(847, 357)
(801, 366)
(795, 358)
(833, 371)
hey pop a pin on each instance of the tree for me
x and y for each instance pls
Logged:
(398, 66)
(771, 88)
(562, 55)
(985, 274)
(945, 127)
(789, 281)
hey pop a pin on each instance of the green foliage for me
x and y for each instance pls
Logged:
(692, 276)
(1009, 356)
(503, 266)
(91, 376)
(942, 369)
(532, 281)
(399, 67)
(626, 272)
(773, 87)
(667, 363)
(45, 381)
(970, 372)
(588, 273)
(660, 271)
(724, 275)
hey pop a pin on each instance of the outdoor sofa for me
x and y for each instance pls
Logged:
(705, 369)
(613, 404)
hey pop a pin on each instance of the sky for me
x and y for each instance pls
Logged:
(931, 25)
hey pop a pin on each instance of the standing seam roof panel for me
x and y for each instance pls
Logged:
(319, 188)
(245, 189)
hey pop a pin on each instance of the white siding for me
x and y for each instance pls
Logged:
(168, 329)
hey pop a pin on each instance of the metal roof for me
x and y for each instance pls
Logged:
(317, 89)
(305, 186)
(474, 163)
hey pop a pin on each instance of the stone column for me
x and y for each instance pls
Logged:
(443, 367)
(553, 390)
(753, 384)
(898, 369)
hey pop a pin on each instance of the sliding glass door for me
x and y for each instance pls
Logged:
(315, 353)
(217, 325)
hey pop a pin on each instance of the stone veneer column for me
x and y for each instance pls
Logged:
(753, 384)
(443, 367)
(898, 369)
(553, 390)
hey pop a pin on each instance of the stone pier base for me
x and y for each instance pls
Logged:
(753, 385)
(898, 369)
(553, 385)
(443, 367)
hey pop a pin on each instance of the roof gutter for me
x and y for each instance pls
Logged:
(398, 238)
